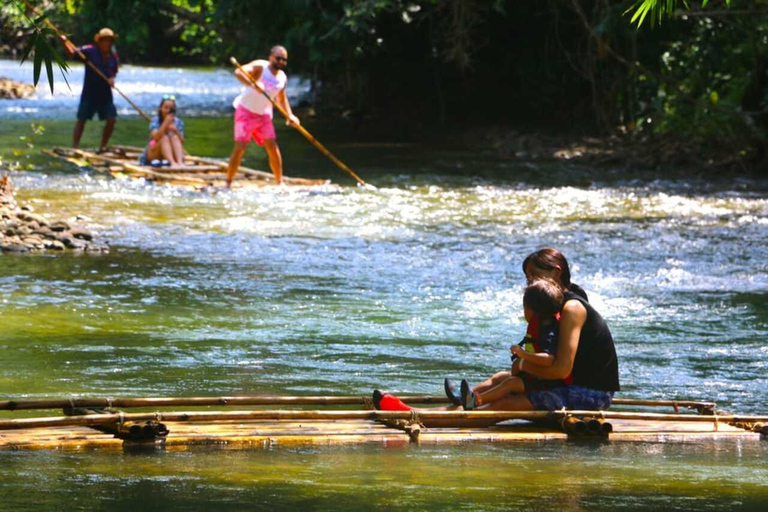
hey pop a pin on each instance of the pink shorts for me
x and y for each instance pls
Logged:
(249, 125)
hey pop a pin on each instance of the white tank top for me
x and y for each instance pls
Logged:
(253, 100)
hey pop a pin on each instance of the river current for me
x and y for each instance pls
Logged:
(339, 290)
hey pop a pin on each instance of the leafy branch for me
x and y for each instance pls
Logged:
(658, 10)
(44, 52)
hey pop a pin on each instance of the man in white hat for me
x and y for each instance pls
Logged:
(96, 97)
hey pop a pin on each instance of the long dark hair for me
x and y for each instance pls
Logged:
(160, 115)
(550, 259)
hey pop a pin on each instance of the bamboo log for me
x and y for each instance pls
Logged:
(424, 414)
(572, 425)
(253, 173)
(10, 405)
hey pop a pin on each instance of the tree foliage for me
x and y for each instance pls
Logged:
(658, 10)
(567, 65)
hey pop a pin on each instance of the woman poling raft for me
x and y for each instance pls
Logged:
(585, 354)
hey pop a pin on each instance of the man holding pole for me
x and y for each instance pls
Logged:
(253, 111)
(96, 97)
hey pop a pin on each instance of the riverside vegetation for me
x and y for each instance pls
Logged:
(571, 68)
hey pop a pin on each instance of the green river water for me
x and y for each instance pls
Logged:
(340, 290)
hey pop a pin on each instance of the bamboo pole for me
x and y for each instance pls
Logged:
(11, 405)
(341, 165)
(80, 54)
(422, 415)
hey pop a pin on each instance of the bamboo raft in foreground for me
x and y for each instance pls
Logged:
(267, 427)
(200, 173)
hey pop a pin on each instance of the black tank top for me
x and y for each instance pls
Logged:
(578, 290)
(595, 365)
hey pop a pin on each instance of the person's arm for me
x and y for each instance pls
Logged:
(158, 133)
(282, 100)
(68, 46)
(117, 64)
(253, 69)
(572, 321)
(178, 127)
(538, 358)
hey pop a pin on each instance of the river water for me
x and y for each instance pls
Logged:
(340, 290)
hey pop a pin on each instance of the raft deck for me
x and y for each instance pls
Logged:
(200, 173)
(256, 434)
(255, 428)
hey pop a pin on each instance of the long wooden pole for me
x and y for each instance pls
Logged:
(17, 405)
(80, 54)
(154, 402)
(300, 128)
(285, 415)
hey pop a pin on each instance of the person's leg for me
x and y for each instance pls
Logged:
(109, 127)
(178, 150)
(78, 133)
(166, 149)
(275, 159)
(493, 381)
(234, 160)
(508, 403)
(107, 113)
(154, 151)
(511, 403)
(508, 386)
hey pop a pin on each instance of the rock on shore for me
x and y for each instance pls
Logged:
(23, 231)
(12, 90)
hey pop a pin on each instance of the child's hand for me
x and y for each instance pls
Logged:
(516, 350)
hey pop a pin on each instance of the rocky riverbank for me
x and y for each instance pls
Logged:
(12, 90)
(23, 231)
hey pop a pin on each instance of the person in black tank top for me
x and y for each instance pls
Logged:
(586, 350)
(595, 365)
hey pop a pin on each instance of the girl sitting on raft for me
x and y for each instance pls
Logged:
(166, 131)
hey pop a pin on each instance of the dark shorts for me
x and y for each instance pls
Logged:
(88, 108)
(574, 398)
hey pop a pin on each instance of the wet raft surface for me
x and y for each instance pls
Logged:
(255, 434)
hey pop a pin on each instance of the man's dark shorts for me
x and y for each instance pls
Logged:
(574, 398)
(88, 108)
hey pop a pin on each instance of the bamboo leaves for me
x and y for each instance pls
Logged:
(659, 10)
(44, 52)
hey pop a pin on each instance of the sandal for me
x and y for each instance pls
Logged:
(453, 394)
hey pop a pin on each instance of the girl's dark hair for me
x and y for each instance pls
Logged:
(544, 297)
(549, 259)
(160, 108)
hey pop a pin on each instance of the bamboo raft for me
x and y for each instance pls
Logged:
(200, 173)
(99, 423)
